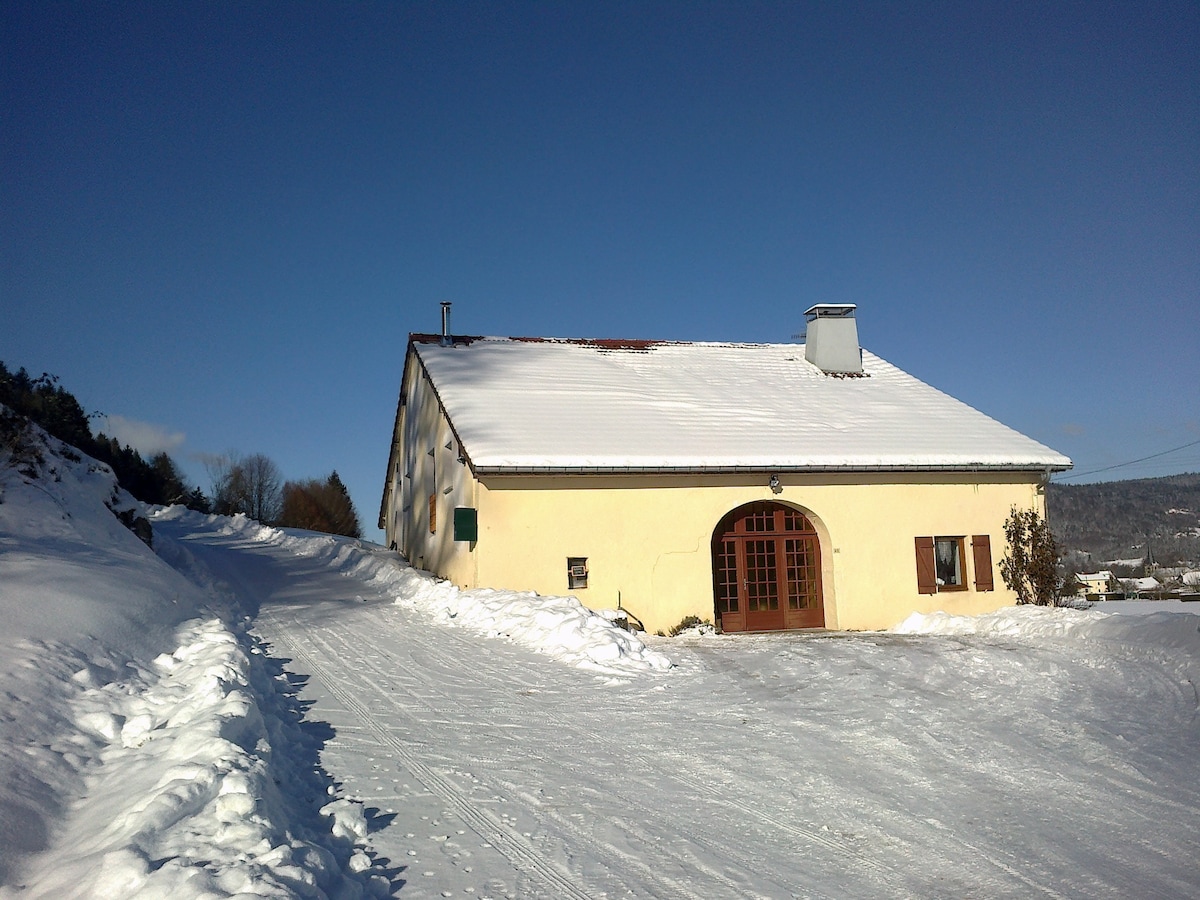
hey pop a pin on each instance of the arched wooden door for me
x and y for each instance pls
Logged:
(767, 570)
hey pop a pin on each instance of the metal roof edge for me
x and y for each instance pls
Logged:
(1039, 469)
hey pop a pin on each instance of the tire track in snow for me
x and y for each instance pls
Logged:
(949, 834)
(335, 645)
(1014, 869)
(422, 688)
(523, 857)
(616, 859)
(619, 859)
(564, 727)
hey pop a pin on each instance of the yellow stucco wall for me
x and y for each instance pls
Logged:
(647, 539)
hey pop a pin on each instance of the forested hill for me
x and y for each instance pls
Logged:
(1116, 519)
(44, 401)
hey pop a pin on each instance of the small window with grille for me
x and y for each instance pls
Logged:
(577, 572)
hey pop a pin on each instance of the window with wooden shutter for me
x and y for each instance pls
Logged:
(926, 570)
(981, 548)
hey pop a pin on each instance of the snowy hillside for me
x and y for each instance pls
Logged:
(149, 749)
(247, 711)
(147, 740)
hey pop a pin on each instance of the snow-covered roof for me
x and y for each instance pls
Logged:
(1142, 584)
(520, 404)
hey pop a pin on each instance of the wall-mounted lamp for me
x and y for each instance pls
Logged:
(774, 485)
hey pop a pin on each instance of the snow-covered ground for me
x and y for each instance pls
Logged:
(149, 747)
(256, 712)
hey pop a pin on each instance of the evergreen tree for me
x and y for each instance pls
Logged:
(44, 401)
(344, 515)
(168, 481)
(197, 501)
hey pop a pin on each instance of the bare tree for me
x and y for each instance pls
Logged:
(264, 485)
(251, 485)
(228, 485)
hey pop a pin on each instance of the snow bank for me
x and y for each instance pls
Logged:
(560, 627)
(1169, 629)
(147, 749)
(1013, 621)
(1107, 619)
(195, 786)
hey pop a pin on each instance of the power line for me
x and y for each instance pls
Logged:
(1131, 462)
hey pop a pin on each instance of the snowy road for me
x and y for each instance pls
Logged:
(873, 765)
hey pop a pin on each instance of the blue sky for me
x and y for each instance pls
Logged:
(221, 220)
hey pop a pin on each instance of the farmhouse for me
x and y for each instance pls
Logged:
(759, 486)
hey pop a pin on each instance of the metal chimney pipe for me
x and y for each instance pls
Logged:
(446, 341)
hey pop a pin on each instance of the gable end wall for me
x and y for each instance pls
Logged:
(428, 474)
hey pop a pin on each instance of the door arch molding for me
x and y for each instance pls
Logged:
(767, 569)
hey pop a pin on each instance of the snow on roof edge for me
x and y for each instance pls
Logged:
(782, 469)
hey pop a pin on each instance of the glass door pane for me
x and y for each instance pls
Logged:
(762, 588)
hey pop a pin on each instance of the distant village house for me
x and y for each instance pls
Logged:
(1102, 585)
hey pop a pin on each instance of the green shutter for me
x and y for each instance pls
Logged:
(466, 524)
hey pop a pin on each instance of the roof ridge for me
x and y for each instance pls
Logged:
(596, 342)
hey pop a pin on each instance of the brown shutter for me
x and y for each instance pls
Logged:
(926, 573)
(981, 547)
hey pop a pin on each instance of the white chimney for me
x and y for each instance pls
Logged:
(832, 340)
